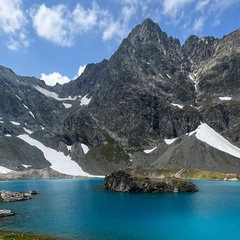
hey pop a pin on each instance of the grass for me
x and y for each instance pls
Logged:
(22, 236)
(198, 174)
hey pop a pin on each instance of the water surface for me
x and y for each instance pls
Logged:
(82, 209)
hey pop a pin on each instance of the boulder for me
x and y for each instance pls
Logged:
(123, 181)
(6, 196)
(6, 213)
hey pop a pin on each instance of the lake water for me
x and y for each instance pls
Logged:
(81, 209)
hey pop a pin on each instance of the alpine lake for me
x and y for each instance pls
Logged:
(81, 209)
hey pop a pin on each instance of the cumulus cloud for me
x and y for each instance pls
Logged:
(13, 23)
(81, 70)
(86, 19)
(54, 78)
(61, 26)
(53, 24)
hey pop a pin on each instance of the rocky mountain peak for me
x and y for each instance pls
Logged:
(148, 33)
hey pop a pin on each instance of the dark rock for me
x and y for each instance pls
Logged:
(121, 181)
(33, 192)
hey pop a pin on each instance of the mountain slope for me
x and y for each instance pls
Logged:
(151, 89)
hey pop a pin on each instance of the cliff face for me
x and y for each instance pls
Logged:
(151, 89)
(122, 181)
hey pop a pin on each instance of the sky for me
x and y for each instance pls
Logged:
(53, 40)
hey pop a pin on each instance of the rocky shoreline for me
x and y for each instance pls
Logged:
(123, 181)
(7, 196)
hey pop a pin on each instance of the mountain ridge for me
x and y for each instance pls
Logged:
(151, 89)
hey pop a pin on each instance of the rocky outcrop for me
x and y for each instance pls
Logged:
(7, 196)
(121, 181)
(6, 213)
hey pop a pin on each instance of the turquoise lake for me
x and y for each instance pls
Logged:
(81, 209)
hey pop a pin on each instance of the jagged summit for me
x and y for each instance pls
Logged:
(147, 31)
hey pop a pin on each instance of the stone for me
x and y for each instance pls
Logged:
(6, 213)
(123, 181)
(7, 196)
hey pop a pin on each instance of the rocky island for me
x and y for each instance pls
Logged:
(7, 196)
(123, 181)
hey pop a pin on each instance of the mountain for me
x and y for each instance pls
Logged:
(151, 89)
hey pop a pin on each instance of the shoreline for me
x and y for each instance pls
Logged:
(4, 235)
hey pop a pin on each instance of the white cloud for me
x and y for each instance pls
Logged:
(201, 5)
(172, 7)
(61, 26)
(111, 29)
(86, 19)
(54, 78)
(53, 24)
(13, 23)
(198, 25)
(81, 70)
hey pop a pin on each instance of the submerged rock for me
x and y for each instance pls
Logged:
(122, 181)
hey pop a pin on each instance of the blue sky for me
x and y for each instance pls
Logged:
(54, 39)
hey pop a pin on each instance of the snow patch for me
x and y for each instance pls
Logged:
(53, 94)
(85, 101)
(18, 97)
(170, 141)
(67, 105)
(85, 148)
(26, 106)
(225, 98)
(206, 134)
(5, 170)
(27, 130)
(26, 166)
(31, 114)
(168, 75)
(177, 105)
(59, 161)
(8, 135)
(1, 121)
(15, 123)
(149, 150)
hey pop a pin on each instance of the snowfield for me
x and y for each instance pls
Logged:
(5, 170)
(212, 138)
(206, 134)
(59, 161)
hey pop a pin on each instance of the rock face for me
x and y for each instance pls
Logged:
(121, 181)
(151, 89)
